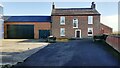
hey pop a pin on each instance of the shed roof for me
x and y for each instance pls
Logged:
(75, 11)
(27, 18)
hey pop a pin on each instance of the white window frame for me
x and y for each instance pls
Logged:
(62, 20)
(61, 30)
(75, 22)
(90, 19)
(91, 30)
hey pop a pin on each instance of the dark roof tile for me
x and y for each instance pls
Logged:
(27, 18)
(75, 11)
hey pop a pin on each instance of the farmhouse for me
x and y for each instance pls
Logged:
(63, 23)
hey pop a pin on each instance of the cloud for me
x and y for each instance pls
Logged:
(111, 21)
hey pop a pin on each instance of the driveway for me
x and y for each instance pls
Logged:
(83, 52)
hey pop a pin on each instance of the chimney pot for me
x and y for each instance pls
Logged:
(93, 5)
(53, 6)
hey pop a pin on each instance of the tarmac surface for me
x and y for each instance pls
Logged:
(82, 52)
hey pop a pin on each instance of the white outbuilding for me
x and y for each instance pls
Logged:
(1, 22)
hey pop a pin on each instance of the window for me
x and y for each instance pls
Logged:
(62, 31)
(75, 23)
(90, 19)
(62, 20)
(90, 31)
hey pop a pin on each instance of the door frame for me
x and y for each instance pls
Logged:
(76, 32)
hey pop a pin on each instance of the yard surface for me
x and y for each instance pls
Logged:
(14, 50)
(83, 52)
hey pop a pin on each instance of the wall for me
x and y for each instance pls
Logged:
(105, 29)
(70, 31)
(114, 41)
(1, 22)
(37, 26)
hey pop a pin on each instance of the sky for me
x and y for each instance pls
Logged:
(108, 10)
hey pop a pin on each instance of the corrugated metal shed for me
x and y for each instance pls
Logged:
(27, 18)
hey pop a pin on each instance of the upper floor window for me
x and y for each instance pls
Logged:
(90, 19)
(75, 23)
(62, 20)
(62, 31)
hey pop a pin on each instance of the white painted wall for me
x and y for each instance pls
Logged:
(1, 23)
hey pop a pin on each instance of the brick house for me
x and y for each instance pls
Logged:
(27, 27)
(63, 23)
(76, 22)
(105, 29)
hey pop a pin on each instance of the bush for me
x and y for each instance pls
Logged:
(51, 39)
(100, 37)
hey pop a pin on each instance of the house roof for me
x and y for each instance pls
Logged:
(27, 18)
(74, 11)
(101, 24)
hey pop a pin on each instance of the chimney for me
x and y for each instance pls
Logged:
(93, 5)
(53, 6)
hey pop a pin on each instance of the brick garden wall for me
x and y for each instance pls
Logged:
(114, 41)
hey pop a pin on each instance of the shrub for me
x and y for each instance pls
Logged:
(100, 37)
(51, 39)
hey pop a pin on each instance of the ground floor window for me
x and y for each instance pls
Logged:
(90, 31)
(62, 31)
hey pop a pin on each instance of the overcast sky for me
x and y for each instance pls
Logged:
(108, 10)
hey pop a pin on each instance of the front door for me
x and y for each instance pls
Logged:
(78, 33)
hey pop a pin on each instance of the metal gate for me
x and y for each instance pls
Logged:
(44, 33)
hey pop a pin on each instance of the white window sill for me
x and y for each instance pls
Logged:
(90, 34)
(75, 27)
(90, 24)
(62, 35)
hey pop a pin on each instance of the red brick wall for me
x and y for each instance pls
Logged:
(114, 41)
(105, 29)
(70, 31)
(37, 26)
(41, 26)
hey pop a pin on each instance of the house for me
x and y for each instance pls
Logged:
(105, 29)
(63, 23)
(1, 21)
(76, 22)
(27, 27)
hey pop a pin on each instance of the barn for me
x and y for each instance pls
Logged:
(27, 27)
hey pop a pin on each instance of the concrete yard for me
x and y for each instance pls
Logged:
(13, 50)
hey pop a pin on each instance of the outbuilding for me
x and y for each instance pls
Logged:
(27, 27)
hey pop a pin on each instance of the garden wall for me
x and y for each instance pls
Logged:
(114, 41)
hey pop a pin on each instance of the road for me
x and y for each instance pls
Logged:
(83, 52)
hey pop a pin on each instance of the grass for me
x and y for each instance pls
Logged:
(116, 33)
(62, 40)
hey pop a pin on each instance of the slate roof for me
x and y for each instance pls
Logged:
(74, 11)
(27, 18)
